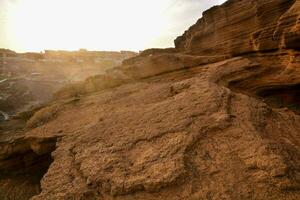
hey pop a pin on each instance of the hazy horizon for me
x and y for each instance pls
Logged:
(37, 25)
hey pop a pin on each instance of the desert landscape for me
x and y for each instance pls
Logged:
(216, 117)
(29, 80)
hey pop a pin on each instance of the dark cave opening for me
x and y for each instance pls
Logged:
(33, 166)
(276, 96)
(282, 96)
(21, 173)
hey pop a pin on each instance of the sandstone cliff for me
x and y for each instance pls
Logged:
(217, 117)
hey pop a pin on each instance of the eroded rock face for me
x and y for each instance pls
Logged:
(198, 133)
(181, 123)
(240, 26)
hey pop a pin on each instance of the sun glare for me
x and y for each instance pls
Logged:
(35, 25)
(91, 24)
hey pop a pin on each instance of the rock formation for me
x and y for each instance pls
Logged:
(216, 117)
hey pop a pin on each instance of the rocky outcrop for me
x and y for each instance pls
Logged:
(209, 119)
(239, 27)
(198, 133)
(110, 79)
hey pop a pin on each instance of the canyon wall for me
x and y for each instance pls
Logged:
(240, 27)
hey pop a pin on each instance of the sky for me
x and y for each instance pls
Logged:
(36, 25)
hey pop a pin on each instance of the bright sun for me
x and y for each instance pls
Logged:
(91, 24)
